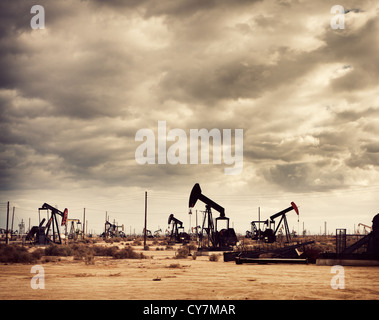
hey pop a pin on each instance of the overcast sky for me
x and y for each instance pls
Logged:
(73, 96)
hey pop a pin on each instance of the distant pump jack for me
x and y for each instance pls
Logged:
(177, 153)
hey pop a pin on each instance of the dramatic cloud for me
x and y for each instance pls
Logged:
(73, 96)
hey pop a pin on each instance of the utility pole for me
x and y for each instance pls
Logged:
(144, 236)
(6, 230)
(105, 225)
(259, 228)
(12, 222)
(197, 233)
(84, 223)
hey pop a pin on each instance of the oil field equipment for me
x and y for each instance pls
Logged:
(366, 228)
(365, 251)
(177, 234)
(74, 232)
(148, 233)
(369, 242)
(112, 230)
(210, 238)
(41, 234)
(269, 234)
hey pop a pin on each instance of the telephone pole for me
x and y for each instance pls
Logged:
(7, 231)
(144, 235)
(84, 223)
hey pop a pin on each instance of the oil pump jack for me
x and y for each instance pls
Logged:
(177, 234)
(269, 234)
(40, 233)
(210, 237)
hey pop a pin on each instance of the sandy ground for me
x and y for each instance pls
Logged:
(163, 277)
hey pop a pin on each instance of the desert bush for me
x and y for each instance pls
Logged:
(16, 254)
(213, 257)
(89, 259)
(128, 253)
(80, 251)
(105, 251)
(174, 266)
(38, 253)
(182, 253)
(58, 250)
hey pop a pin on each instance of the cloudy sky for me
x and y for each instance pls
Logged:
(74, 94)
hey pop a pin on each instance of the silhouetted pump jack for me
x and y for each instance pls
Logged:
(177, 234)
(269, 234)
(210, 237)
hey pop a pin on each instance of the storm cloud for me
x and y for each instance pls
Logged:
(73, 95)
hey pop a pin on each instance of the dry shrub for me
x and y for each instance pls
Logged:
(58, 250)
(105, 251)
(174, 266)
(16, 254)
(128, 253)
(89, 259)
(213, 257)
(80, 251)
(182, 253)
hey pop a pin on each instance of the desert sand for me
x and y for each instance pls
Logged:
(161, 276)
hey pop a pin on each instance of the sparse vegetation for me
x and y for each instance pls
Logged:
(174, 266)
(79, 251)
(128, 253)
(17, 254)
(214, 257)
(182, 252)
(58, 250)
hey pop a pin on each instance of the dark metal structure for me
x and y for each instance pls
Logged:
(177, 234)
(112, 230)
(269, 234)
(370, 241)
(264, 252)
(366, 248)
(41, 234)
(340, 240)
(210, 237)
